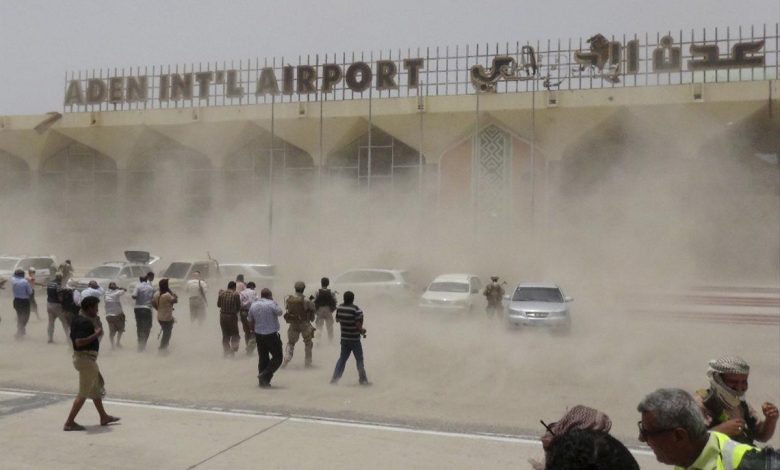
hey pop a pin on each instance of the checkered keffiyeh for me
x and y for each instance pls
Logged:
(579, 417)
(729, 365)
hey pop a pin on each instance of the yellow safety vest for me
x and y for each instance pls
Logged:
(731, 452)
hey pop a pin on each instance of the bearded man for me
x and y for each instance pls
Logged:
(724, 407)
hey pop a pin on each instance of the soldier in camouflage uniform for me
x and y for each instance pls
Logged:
(495, 295)
(299, 313)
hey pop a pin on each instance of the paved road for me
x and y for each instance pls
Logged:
(169, 436)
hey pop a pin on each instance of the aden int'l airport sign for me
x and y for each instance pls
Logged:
(603, 58)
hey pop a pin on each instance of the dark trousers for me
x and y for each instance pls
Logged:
(249, 333)
(228, 322)
(22, 307)
(347, 348)
(167, 328)
(269, 349)
(143, 324)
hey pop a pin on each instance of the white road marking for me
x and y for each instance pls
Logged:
(17, 394)
(525, 440)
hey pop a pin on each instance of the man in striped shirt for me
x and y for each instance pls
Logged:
(350, 317)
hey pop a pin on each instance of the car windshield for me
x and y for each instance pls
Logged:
(177, 270)
(537, 294)
(8, 264)
(104, 272)
(448, 287)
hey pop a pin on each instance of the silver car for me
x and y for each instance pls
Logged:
(539, 305)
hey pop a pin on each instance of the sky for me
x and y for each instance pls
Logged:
(43, 39)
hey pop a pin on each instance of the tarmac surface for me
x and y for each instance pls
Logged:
(447, 392)
(176, 437)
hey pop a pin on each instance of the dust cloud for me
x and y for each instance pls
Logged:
(637, 206)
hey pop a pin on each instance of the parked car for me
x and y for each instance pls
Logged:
(264, 275)
(539, 305)
(375, 284)
(179, 272)
(453, 293)
(45, 266)
(124, 273)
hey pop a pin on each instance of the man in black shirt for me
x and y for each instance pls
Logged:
(54, 306)
(350, 317)
(325, 303)
(86, 343)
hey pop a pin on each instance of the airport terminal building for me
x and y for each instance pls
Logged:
(508, 138)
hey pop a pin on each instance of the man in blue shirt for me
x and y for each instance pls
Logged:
(263, 318)
(350, 317)
(22, 292)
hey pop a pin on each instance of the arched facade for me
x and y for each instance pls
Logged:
(79, 176)
(14, 173)
(387, 162)
(170, 176)
(489, 175)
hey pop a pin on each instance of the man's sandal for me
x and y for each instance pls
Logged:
(111, 419)
(73, 427)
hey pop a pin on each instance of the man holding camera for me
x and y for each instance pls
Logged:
(350, 317)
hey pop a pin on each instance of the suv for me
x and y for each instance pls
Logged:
(179, 272)
(539, 305)
(45, 266)
(264, 275)
(387, 284)
(123, 273)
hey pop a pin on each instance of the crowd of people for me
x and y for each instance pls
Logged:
(712, 428)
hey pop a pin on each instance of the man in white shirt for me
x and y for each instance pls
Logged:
(248, 296)
(264, 319)
(114, 314)
(142, 295)
(94, 290)
(196, 289)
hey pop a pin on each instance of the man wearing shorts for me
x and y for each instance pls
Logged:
(86, 343)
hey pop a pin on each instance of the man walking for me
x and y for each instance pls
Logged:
(115, 317)
(350, 317)
(86, 343)
(93, 290)
(495, 296)
(325, 303)
(32, 280)
(163, 301)
(229, 303)
(22, 291)
(66, 269)
(248, 296)
(143, 294)
(196, 290)
(300, 314)
(264, 320)
(54, 306)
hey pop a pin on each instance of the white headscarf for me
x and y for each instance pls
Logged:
(727, 365)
